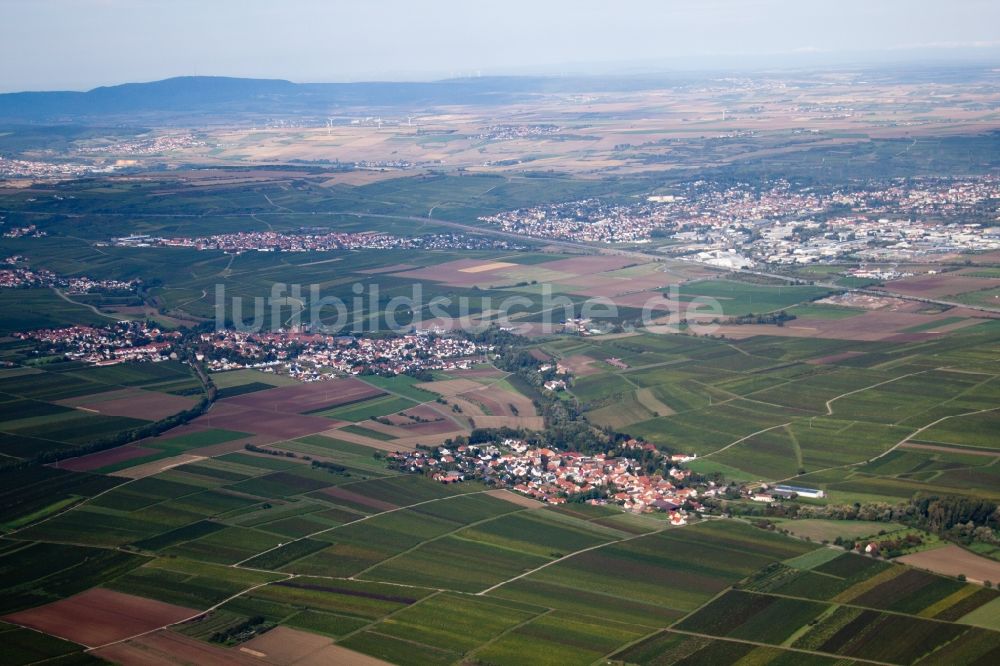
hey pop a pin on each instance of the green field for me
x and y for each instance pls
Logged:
(406, 569)
(741, 298)
(367, 409)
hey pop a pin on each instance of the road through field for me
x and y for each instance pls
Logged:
(894, 446)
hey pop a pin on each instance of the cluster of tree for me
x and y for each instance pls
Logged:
(243, 631)
(889, 547)
(771, 318)
(942, 514)
(964, 520)
(123, 437)
(253, 448)
(331, 467)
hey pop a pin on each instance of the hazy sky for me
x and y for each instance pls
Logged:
(78, 44)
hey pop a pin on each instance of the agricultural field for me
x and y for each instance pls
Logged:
(270, 528)
(863, 420)
(409, 571)
(67, 407)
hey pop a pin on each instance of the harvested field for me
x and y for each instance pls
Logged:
(527, 422)
(434, 428)
(157, 466)
(590, 264)
(423, 420)
(579, 365)
(304, 398)
(468, 407)
(429, 412)
(515, 498)
(104, 458)
(147, 405)
(430, 439)
(450, 387)
(99, 616)
(952, 561)
(646, 398)
(490, 266)
(168, 648)
(950, 449)
(478, 373)
(493, 400)
(285, 646)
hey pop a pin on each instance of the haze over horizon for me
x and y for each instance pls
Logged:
(106, 42)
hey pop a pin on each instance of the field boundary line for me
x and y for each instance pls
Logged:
(829, 403)
(359, 520)
(505, 632)
(566, 557)
(894, 446)
(743, 439)
(778, 647)
(386, 617)
(438, 538)
(87, 500)
(851, 605)
(188, 619)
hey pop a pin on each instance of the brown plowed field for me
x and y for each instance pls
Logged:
(104, 458)
(425, 411)
(516, 498)
(939, 286)
(304, 398)
(870, 326)
(590, 264)
(147, 405)
(952, 561)
(285, 646)
(100, 616)
(263, 421)
(168, 648)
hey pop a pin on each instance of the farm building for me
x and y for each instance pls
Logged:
(802, 492)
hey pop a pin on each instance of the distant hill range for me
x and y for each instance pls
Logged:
(201, 95)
